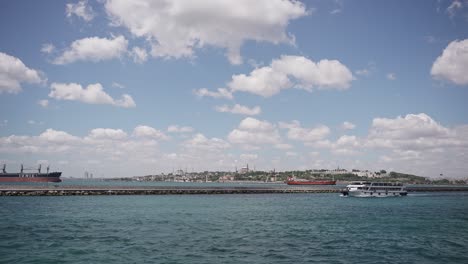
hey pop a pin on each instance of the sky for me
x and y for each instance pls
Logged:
(125, 88)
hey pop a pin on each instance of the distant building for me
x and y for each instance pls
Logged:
(244, 170)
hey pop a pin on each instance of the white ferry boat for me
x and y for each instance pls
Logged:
(374, 189)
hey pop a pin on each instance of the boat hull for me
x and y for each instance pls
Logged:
(375, 194)
(311, 182)
(31, 177)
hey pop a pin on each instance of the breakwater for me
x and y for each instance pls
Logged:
(63, 191)
(57, 190)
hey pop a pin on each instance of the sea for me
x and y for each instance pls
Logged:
(253, 228)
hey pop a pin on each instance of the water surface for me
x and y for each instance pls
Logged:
(261, 228)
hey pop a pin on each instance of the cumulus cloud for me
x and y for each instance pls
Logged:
(414, 131)
(80, 9)
(179, 129)
(93, 49)
(239, 109)
(13, 72)
(107, 133)
(452, 65)
(348, 125)
(56, 136)
(92, 94)
(176, 28)
(201, 143)
(417, 143)
(149, 132)
(299, 133)
(105, 145)
(253, 132)
(220, 93)
(293, 72)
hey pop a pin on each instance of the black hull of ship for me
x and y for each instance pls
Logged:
(30, 177)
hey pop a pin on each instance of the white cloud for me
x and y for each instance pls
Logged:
(176, 28)
(92, 94)
(414, 131)
(253, 132)
(293, 72)
(201, 143)
(348, 126)
(149, 132)
(47, 48)
(220, 93)
(139, 55)
(454, 7)
(391, 76)
(118, 85)
(179, 129)
(414, 143)
(13, 72)
(80, 9)
(239, 109)
(346, 145)
(417, 143)
(93, 49)
(452, 65)
(56, 136)
(107, 134)
(248, 157)
(297, 132)
(43, 103)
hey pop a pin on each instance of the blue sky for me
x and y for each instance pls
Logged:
(124, 88)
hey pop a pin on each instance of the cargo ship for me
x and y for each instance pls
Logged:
(292, 181)
(31, 176)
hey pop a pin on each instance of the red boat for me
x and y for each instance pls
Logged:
(292, 181)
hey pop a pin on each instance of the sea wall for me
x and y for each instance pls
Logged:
(56, 190)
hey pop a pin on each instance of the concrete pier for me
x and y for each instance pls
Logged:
(58, 190)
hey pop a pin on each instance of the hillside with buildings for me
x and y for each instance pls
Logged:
(247, 175)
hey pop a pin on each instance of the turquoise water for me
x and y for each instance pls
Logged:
(276, 228)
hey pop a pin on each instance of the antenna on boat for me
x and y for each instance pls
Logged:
(21, 168)
(39, 168)
(4, 168)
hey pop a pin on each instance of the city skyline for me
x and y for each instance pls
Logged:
(124, 88)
